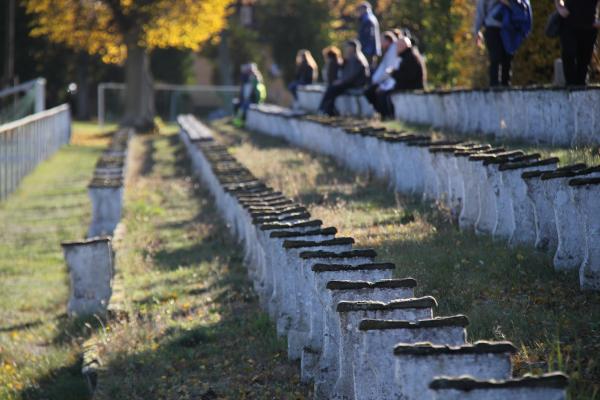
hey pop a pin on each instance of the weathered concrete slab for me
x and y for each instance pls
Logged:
(545, 387)
(418, 364)
(91, 269)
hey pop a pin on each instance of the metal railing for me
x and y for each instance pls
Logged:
(26, 142)
(21, 100)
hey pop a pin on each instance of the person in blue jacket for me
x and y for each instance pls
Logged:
(368, 33)
(507, 23)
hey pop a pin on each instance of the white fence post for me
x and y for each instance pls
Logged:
(40, 95)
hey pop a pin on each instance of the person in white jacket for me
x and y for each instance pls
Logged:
(381, 80)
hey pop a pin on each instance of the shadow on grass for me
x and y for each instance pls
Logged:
(214, 241)
(237, 357)
(232, 350)
(65, 383)
(187, 257)
(21, 327)
(148, 164)
(71, 330)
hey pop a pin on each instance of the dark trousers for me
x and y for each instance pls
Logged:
(293, 88)
(372, 61)
(577, 46)
(380, 101)
(328, 101)
(500, 59)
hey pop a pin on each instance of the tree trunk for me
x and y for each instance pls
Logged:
(83, 86)
(139, 92)
(225, 66)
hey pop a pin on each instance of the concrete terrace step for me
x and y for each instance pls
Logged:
(545, 387)
(418, 364)
(338, 307)
(488, 189)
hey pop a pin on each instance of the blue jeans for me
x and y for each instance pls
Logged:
(293, 88)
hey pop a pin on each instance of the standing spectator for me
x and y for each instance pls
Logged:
(381, 81)
(306, 71)
(577, 37)
(252, 91)
(500, 59)
(333, 64)
(368, 33)
(355, 74)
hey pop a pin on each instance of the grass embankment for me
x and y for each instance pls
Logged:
(39, 346)
(507, 293)
(194, 329)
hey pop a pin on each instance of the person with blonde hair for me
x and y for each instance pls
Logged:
(355, 75)
(333, 64)
(306, 71)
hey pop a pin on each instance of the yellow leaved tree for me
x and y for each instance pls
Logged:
(123, 31)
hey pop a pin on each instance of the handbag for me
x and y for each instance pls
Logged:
(553, 25)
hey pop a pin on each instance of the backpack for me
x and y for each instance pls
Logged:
(516, 24)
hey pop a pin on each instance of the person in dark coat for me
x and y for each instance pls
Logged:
(578, 32)
(306, 71)
(355, 74)
(381, 81)
(500, 58)
(368, 33)
(410, 74)
(333, 64)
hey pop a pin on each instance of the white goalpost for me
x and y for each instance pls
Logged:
(170, 100)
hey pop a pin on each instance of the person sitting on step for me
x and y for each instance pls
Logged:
(355, 75)
(381, 81)
(306, 71)
(333, 64)
(411, 74)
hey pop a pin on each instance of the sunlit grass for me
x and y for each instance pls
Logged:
(39, 347)
(194, 328)
(507, 293)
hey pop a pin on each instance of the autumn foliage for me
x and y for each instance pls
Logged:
(100, 27)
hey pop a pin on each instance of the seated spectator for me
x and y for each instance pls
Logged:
(381, 80)
(333, 64)
(252, 91)
(306, 71)
(411, 74)
(355, 74)
(400, 33)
